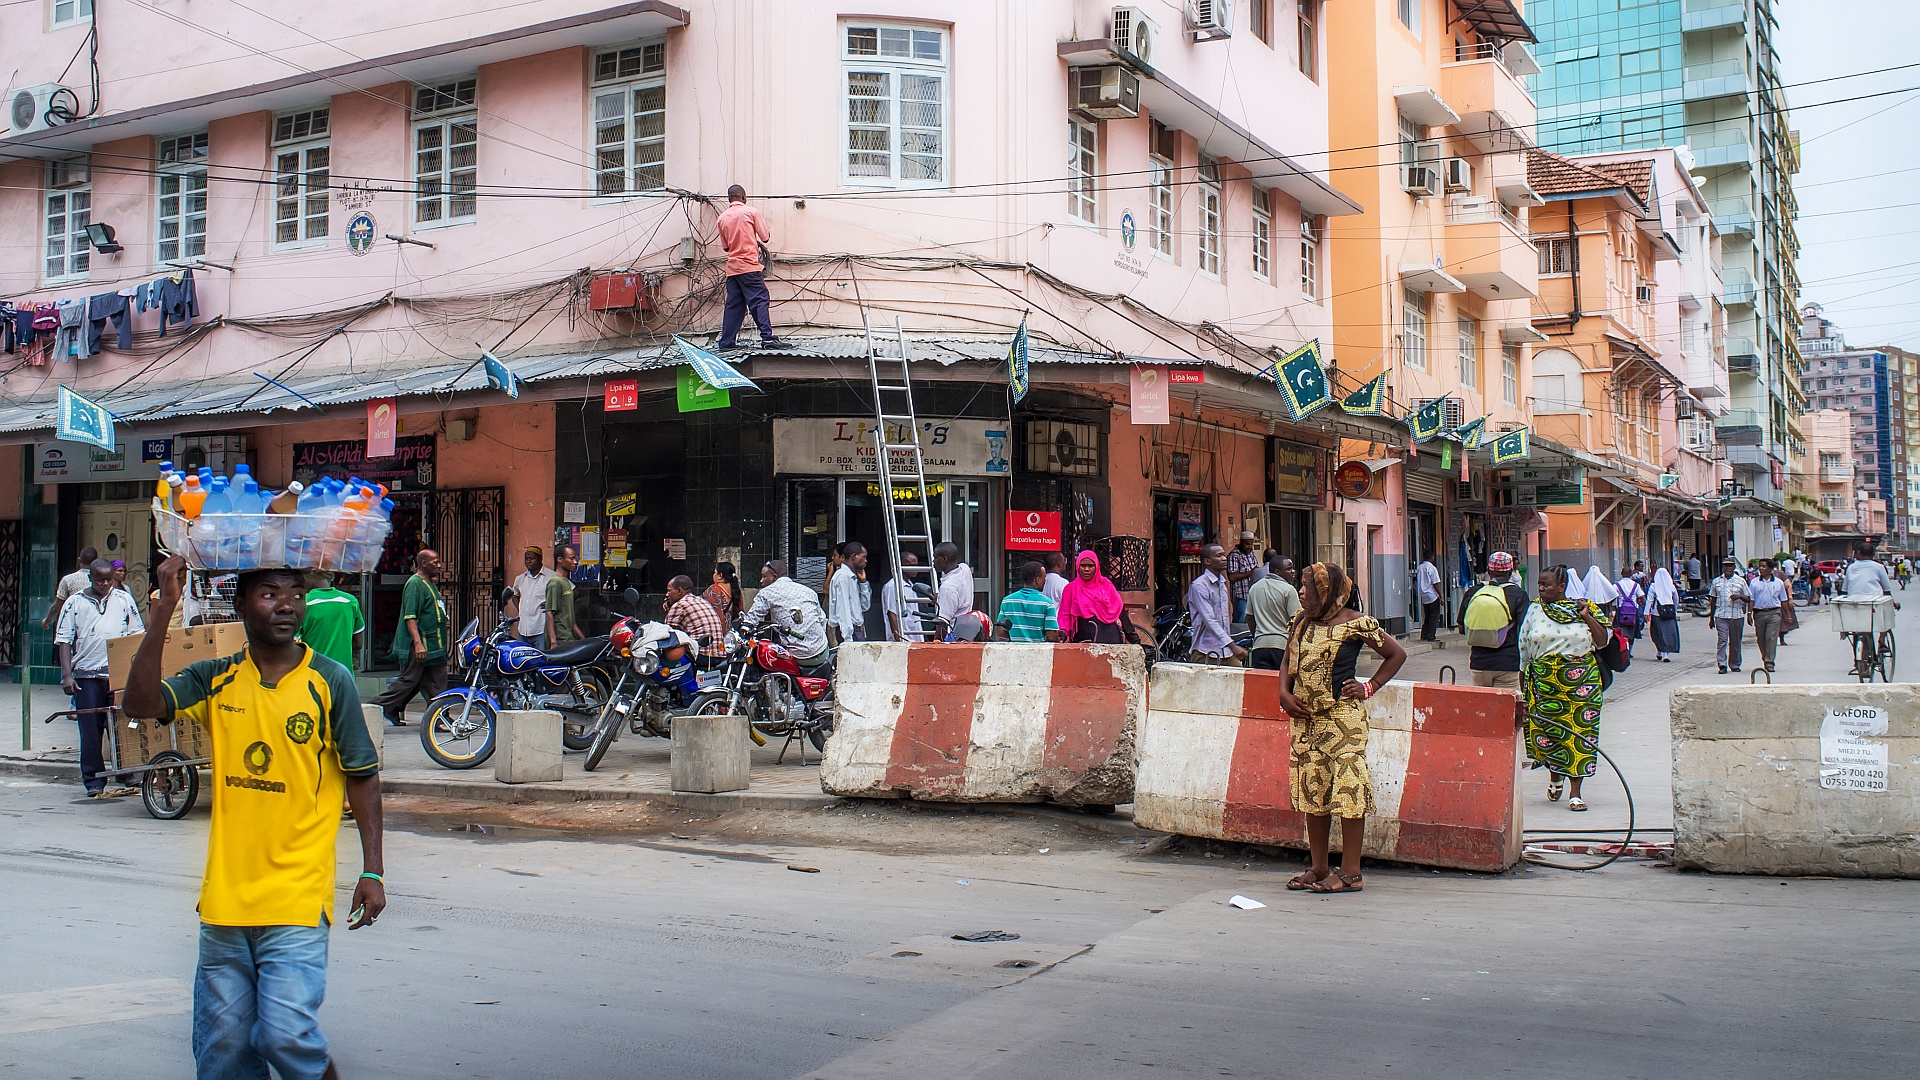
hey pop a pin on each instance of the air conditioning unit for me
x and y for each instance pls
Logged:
(1110, 92)
(1643, 293)
(1210, 19)
(68, 172)
(27, 107)
(1420, 181)
(1063, 448)
(1133, 34)
(1459, 174)
(1452, 411)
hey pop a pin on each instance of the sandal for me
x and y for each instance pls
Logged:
(1555, 787)
(1577, 804)
(1346, 884)
(1303, 881)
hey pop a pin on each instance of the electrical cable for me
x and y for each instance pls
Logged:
(1537, 860)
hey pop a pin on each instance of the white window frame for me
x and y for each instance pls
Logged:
(1413, 331)
(79, 12)
(1307, 33)
(637, 85)
(182, 161)
(1510, 375)
(1262, 234)
(76, 251)
(1210, 203)
(1409, 13)
(1160, 192)
(1468, 348)
(302, 187)
(1309, 257)
(896, 69)
(440, 107)
(1083, 170)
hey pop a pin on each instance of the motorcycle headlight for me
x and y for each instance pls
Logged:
(647, 662)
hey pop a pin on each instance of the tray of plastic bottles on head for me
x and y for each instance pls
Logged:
(231, 523)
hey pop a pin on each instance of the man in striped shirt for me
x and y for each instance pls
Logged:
(1028, 615)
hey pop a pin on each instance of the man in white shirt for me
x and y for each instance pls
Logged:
(1866, 578)
(73, 583)
(87, 620)
(1210, 604)
(1056, 583)
(848, 597)
(794, 609)
(1769, 595)
(1730, 602)
(530, 594)
(956, 582)
(902, 625)
(1427, 584)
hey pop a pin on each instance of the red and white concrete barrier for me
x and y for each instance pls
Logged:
(1215, 755)
(995, 722)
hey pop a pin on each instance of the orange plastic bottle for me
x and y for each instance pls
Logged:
(192, 497)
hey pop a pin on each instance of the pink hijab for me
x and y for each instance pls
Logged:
(1097, 599)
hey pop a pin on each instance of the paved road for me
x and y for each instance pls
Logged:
(707, 957)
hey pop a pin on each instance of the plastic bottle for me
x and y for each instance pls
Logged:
(304, 529)
(286, 501)
(161, 489)
(217, 513)
(175, 485)
(342, 547)
(193, 498)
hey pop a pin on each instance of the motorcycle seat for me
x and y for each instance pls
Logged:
(574, 653)
(822, 670)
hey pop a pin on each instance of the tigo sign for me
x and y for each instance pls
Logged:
(1033, 530)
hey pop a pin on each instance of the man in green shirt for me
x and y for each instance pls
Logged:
(420, 644)
(1271, 606)
(560, 629)
(1027, 615)
(333, 625)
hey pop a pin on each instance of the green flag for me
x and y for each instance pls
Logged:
(1426, 421)
(1473, 434)
(1369, 400)
(1017, 362)
(1301, 380)
(1511, 446)
(1446, 454)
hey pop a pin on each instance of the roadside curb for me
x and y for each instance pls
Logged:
(51, 770)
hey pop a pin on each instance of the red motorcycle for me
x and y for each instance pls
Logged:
(764, 683)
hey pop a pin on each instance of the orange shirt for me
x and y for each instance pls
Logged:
(743, 230)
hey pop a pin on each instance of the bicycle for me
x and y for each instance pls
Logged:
(1867, 623)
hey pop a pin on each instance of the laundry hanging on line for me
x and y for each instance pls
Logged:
(74, 328)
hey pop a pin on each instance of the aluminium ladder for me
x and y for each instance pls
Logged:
(898, 458)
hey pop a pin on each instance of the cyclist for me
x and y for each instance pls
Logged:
(1866, 577)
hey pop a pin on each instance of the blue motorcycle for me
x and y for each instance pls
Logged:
(502, 672)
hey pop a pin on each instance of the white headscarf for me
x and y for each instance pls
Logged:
(1598, 588)
(1576, 589)
(1663, 591)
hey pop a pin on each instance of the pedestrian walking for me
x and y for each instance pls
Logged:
(559, 601)
(903, 623)
(420, 642)
(849, 596)
(1243, 565)
(1272, 605)
(1730, 601)
(742, 231)
(75, 582)
(1630, 616)
(120, 583)
(1321, 692)
(690, 612)
(1209, 606)
(1026, 614)
(1426, 582)
(529, 601)
(1091, 608)
(1495, 663)
(87, 620)
(1560, 682)
(333, 625)
(289, 742)
(1693, 572)
(724, 593)
(1663, 606)
(1770, 598)
(1056, 562)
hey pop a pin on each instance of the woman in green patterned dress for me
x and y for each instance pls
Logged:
(1327, 703)
(1560, 677)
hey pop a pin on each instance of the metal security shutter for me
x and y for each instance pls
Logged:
(1425, 487)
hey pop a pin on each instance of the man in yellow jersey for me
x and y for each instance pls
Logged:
(288, 738)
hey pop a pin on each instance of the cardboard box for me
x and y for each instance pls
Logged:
(183, 647)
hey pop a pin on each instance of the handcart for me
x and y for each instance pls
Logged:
(1867, 622)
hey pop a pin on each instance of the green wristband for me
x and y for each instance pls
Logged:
(376, 877)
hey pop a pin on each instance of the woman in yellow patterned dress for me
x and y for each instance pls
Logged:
(1560, 678)
(1327, 703)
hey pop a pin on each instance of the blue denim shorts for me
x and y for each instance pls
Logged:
(256, 1002)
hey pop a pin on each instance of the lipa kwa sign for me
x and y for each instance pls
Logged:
(814, 446)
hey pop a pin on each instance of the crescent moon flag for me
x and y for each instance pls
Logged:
(1302, 381)
(1426, 421)
(712, 370)
(1511, 446)
(1472, 435)
(499, 375)
(1369, 400)
(84, 421)
(1017, 362)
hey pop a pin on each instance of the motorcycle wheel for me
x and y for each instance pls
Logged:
(609, 731)
(716, 704)
(449, 749)
(577, 734)
(818, 737)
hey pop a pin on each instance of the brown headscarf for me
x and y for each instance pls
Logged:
(1330, 588)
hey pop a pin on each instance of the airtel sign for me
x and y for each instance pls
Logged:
(1033, 530)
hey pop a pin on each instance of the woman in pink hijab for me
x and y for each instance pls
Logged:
(1091, 608)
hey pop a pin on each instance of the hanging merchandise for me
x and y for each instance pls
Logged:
(1511, 446)
(1426, 421)
(1369, 400)
(1301, 380)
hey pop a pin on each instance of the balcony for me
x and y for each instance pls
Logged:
(1733, 217)
(1742, 357)
(1737, 290)
(1841, 515)
(1496, 112)
(1836, 474)
(1721, 147)
(1722, 78)
(1486, 253)
(1700, 16)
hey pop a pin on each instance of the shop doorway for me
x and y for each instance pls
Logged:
(824, 512)
(1179, 532)
(468, 527)
(122, 531)
(1290, 532)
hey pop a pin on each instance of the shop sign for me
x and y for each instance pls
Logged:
(1147, 400)
(831, 446)
(1296, 470)
(620, 505)
(616, 548)
(623, 395)
(1033, 530)
(693, 394)
(155, 451)
(1352, 480)
(78, 463)
(383, 426)
(409, 469)
(1187, 377)
(1550, 487)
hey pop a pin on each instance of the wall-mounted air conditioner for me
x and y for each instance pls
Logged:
(1420, 181)
(1063, 448)
(1459, 174)
(1210, 19)
(1133, 34)
(1109, 92)
(27, 107)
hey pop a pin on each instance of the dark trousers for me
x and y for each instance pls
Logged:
(1429, 620)
(93, 694)
(1269, 660)
(745, 292)
(418, 677)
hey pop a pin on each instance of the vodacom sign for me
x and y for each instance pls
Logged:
(1033, 530)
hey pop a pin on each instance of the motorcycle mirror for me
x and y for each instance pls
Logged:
(505, 596)
(924, 590)
(631, 596)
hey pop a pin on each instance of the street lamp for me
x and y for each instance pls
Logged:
(101, 235)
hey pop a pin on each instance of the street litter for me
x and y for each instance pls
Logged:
(987, 935)
(803, 869)
(1245, 903)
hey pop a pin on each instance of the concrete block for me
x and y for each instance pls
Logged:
(1747, 771)
(376, 729)
(527, 748)
(710, 753)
